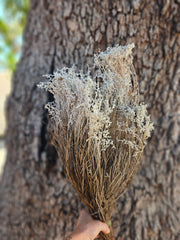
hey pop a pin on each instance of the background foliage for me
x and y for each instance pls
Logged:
(12, 22)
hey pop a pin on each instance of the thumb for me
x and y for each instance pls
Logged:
(103, 227)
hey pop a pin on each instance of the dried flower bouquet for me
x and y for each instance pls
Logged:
(99, 128)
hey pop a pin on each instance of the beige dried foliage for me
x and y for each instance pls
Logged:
(99, 128)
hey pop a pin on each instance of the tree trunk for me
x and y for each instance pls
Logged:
(36, 201)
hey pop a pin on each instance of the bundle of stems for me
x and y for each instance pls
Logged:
(99, 128)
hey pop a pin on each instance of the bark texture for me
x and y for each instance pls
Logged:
(36, 201)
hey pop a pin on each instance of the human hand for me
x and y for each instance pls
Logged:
(87, 228)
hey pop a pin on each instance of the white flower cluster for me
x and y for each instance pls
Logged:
(103, 96)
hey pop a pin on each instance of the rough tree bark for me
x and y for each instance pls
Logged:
(36, 201)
